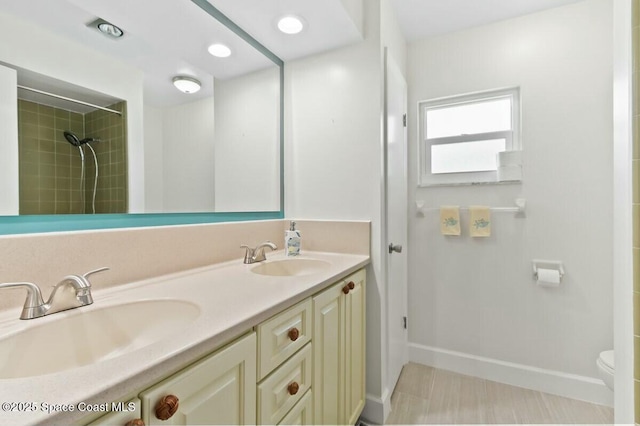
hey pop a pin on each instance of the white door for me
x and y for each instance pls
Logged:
(396, 218)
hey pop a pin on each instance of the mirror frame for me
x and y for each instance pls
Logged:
(56, 223)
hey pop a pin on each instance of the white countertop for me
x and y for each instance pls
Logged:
(232, 300)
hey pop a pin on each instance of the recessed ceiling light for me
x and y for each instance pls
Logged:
(219, 50)
(106, 28)
(110, 30)
(186, 84)
(290, 24)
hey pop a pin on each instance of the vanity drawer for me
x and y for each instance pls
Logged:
(279, 392)
(282, 336)
(301, 413)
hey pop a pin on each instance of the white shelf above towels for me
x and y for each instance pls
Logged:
(519, 208)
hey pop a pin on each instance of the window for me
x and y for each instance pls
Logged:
(461, 136)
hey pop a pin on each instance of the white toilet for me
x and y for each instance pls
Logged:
(606, 368)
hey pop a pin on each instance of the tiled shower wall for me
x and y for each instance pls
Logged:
(636, 205)
(50, 167)
(111, 196)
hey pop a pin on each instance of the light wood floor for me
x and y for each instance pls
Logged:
(425, 395)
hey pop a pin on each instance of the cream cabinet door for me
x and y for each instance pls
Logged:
(328, 356)
(220, 389)
(355, 348)
(339, 351)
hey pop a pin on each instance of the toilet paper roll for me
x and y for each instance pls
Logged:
(548, 278)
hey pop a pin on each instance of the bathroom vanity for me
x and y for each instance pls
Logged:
(278, 342)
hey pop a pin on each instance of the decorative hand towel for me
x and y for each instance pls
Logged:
(480, 221)
(450, 220)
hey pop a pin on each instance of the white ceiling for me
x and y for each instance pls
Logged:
(420, 19)
(328, 24)
(165, 38)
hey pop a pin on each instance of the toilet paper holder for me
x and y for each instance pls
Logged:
(547, 264)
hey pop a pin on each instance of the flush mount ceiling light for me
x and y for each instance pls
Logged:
(186, 84)
(290, 24)
(219, 50)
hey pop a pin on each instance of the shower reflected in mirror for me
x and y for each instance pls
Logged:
(75, 141)
(72, 159)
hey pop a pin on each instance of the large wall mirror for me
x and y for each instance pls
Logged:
(77, 102)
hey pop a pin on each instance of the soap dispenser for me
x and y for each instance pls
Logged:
(292, 240)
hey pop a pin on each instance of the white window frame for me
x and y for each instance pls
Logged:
(512, 137)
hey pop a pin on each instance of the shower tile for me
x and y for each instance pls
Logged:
(61, 124)
(63, 208)
(47, 207)
(48, 159)
(28, 117)
(46, 146)
(63, 183)
(46, 182)
(636, 270)
(46, 121)
(48, 196)
(49, 154)
(63, 196)
(29, 159)
(636, 137)
(29, 142)
(636, 388)
(636, 225)
(46, 133)
(29, 207)
(63, 172)
(61, 113)
(30, 194)
(636, 361)
(27, 106)
(64, 148)
(76, 127)
(28, 130)
(635, 181)
(46, 110)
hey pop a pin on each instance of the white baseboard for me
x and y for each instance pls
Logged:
(376, 409)
(554, 382)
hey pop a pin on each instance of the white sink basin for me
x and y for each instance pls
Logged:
(291, 267)
(80, 338)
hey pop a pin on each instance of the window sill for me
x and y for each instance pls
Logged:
(503, 182)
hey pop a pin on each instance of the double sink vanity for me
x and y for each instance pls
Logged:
(275, 342)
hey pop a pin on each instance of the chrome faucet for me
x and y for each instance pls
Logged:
(73, 291)
(253, 255)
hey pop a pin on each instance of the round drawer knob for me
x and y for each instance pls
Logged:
(293, 388)
(167, 407)
(346, 289)
(351, 285)
(135, 422)
(293, 334)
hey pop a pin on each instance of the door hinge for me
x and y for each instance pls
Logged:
(404, 120)
(404, 322)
